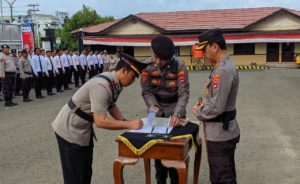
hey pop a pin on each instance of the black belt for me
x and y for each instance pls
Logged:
(82, 115)
(29, 73)
(171, 99)
(224, 118)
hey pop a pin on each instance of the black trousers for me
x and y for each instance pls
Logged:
(59, 79)
(49, 81)
(8, 86)
(76, 161)
(92, 71)
(221, 161)
(77, 74)
(38, 83)
(101, 68)
(72, 70)
(83, 74)
(26, 86)
(18, 83)
(66, 77)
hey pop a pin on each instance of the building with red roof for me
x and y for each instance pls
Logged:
(253, 35)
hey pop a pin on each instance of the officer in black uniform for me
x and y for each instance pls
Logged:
(165, 86)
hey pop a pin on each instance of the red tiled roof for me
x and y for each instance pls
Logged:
(98, 27)
(200, 20)
(206, 19)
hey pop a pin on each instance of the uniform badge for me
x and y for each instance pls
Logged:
(172, 84)
(155, 73)
(155, 82)
(144, 77)
(181, 76)
(215, 79)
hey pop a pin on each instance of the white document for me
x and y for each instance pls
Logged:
(160, 126)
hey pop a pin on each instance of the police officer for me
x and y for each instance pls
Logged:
(7, 75)
(26, 75)
(217, 109)
(165, 86)
(90, 104)
(18, 79)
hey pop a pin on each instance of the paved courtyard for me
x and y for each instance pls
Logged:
(268, 111)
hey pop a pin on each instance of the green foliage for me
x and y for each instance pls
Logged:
(84, 18)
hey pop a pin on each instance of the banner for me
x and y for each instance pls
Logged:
(28, 38)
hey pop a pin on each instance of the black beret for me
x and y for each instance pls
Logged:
(13, 50)
(163, 47)
(4, 46)
(136, 65)
(210, 36)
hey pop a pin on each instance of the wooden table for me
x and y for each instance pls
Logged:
(173, 153)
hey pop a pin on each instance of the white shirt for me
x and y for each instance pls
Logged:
(76, 61)
(38, 64)
(100, 59)
(58, 62)
(64, 60)
(95, 59)
(82, 59)
(54, 63)
(69, 57)
(90, 60)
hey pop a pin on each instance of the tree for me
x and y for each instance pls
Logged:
(84, 18)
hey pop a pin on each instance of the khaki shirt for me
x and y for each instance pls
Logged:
(7, 64)
(95, 96)
(25, 68)
(169, 82)
(220, 96)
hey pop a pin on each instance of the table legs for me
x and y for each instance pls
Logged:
(181, 167)
(147, 170)
(119, 164)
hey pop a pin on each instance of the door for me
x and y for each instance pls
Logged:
(272, 52)
(287, 52)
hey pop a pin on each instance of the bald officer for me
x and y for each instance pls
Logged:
(7, 75)
(165, 86)
(90, 104)
(217, 110)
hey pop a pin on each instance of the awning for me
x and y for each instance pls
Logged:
(188, 40)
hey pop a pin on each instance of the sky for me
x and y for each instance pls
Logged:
(123, 8)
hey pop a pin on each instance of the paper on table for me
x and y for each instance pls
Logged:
(160, 126)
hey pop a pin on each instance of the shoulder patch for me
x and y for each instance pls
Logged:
(215, 79)
(181, 76)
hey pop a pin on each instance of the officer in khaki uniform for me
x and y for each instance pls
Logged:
(165, 86)
(7, 75)
(217, 109)
(90, 104)
(25, 75)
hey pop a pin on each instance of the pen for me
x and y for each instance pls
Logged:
(152, 129)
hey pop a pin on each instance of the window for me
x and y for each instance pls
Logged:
(244, 49)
